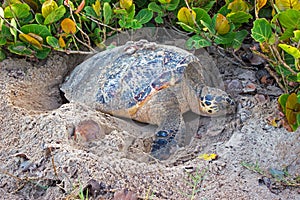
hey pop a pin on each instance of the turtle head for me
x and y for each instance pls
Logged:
(215, 102)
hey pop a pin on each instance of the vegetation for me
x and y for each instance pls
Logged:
(34, 28)
(282, 177)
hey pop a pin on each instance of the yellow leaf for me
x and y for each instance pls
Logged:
(292, 109)
(68, 26)
(222, 24)
(37, 37)
(30, 40)
(208, 157)
(259, 5)
(97, 7)
(164, 1)
(48, 7)
(126, 4)
(239, 5)
(186, 16)
(287, 4)
(61, 42)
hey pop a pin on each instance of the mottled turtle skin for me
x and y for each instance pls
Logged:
(149, 83)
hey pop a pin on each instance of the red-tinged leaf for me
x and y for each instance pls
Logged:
(80, 7)
(292, 109)
(222, 24)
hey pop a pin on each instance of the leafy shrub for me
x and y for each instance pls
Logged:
(279, 39)
(36, 27)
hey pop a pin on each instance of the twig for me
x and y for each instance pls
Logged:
(281, 61)
(88, 45)
(11, 175)
(274, 75)
(191, 11)
(101, 24)
(10, 25)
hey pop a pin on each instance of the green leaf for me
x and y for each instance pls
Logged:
(296, 37)
(144, 16)
(107, 12)
(55, 15)
(2, 55)
(131, 12)
(197, 42)
(37, 29)
(53, 42)
(290, 50)
(136, 24)
(13, 29)
(89, 11)
(290, 19)
(42, 54)
(209, 5)
(5, 35)
(239, 17)
(154, 7)
(20, 48)
(19, 10)
(239, 37)
(282, 101)
(226, 38)
(261, 31)
(172, 5)
(39, 18)
(186, 27)
(287, 34)
(210, 27)
(201, 14)
(159, 19)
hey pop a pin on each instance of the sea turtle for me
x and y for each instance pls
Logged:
(149, 83)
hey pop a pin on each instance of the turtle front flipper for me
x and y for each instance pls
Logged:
(163, 110)
(167, 140)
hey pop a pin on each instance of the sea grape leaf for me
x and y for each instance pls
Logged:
(37, 29)
(261, 31)
(55, 15)
(222, 24)
(48, 7)
(186, 16)
(68, 26)
(144, 16)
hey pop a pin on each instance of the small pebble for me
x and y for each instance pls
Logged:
(249, 88)
(125, 195)
(260, 98)
(234, 85)
(88, 130)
